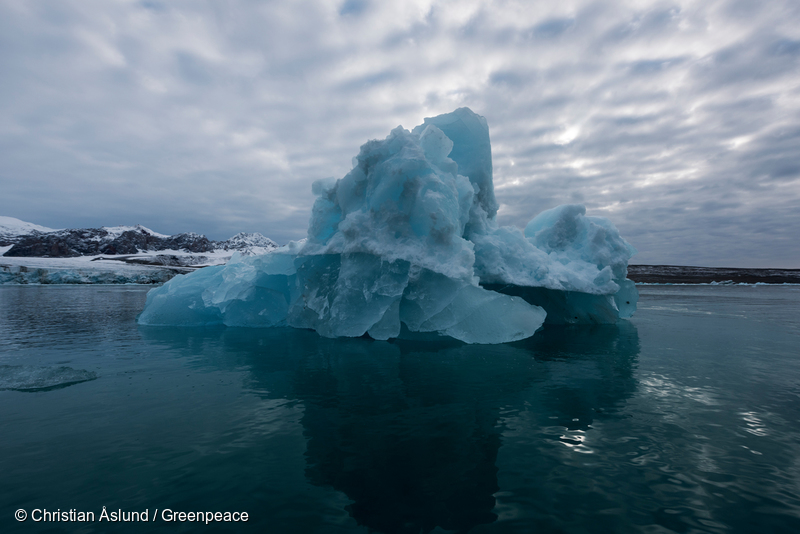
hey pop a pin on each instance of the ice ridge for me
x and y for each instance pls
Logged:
(407, 241)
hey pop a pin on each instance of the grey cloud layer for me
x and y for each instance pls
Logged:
(678, 120)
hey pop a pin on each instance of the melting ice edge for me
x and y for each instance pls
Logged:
(407, 242)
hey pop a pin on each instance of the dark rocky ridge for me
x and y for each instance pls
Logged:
(676, 274)
(10, 239)
(95, 241)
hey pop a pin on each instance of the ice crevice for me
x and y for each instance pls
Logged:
(408, 241)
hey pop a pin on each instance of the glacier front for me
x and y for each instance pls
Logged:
(407, 242)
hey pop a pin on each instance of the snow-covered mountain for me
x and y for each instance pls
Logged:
(119, 230)
(30, 240)
(244, 241)
(12, 229)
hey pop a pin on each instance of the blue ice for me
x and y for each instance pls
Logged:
(407, 241)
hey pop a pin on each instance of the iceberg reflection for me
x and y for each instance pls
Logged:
(410, 431)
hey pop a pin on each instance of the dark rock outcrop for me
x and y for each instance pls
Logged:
(678, 274)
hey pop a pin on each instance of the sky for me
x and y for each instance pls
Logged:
(677, 120)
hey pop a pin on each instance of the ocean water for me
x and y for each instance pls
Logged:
(685, 419)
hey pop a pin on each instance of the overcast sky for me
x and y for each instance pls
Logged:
(679, 121)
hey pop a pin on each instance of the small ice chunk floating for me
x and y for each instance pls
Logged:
(407, 242)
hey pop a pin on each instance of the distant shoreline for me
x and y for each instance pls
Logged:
(158, 268)
(677, 274)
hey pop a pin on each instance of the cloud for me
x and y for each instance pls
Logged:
(677, 120)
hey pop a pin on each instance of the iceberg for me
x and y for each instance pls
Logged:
(407, 242)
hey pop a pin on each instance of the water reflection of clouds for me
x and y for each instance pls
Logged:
(754, 424)
(660, 386)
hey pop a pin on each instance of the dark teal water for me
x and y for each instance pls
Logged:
(686, 419)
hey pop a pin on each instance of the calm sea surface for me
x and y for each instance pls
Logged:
(685, 419)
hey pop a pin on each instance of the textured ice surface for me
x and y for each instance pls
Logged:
(407, 240)
(81, 270)
(32, 378)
